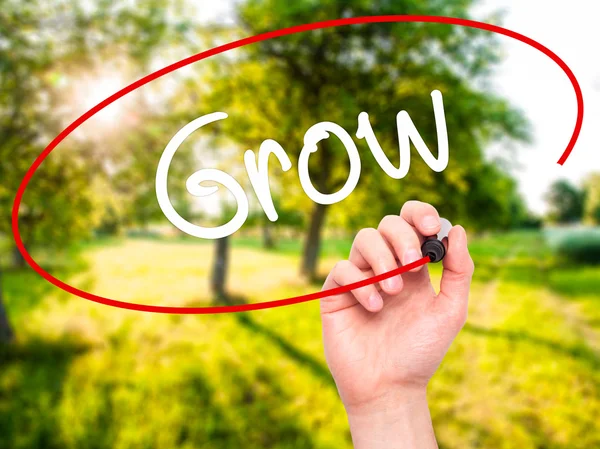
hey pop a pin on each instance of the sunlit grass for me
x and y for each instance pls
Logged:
(524, 373)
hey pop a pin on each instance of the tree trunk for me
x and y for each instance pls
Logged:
(18, 259)
(6, 333)
(267, 231)
(219, 270)
(312, 243)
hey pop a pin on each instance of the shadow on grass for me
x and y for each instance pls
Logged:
(229, 299)
(258, 415)
(265, 400)
(32, 376)
(575, 280)
(299, 356)
(211, 423)
(316, 368)
(253, 412)
(23, 289)
(580, 352)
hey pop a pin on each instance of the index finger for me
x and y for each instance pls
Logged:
(422, 216)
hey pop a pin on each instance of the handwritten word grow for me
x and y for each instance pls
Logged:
(258, 172)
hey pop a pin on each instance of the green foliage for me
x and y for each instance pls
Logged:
(23, 122)
(566, 202)
(592, 198)
(279, 88)
(136, 158)
(274, 89)
(40, 43)
(287, 217)
(493, 201)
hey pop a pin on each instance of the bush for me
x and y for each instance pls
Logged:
(580, 245)
(531, 222)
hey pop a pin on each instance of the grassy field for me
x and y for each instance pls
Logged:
(524, 373)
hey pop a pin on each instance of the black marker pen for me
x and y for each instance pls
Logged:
(433, 246)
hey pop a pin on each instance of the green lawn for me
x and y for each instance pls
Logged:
(524, 373)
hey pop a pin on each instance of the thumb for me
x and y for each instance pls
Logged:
(457, 274)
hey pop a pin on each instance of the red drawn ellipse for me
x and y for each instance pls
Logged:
(237, 44)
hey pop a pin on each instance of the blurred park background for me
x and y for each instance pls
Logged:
(524, 373)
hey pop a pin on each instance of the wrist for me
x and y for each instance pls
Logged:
(391, 401)
(399, 419)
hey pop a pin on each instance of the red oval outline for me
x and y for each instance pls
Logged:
(230, 46)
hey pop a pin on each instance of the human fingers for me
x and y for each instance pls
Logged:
(371, 251)
(345, 273)
(424, 217)
(403, 238)
(457, 275)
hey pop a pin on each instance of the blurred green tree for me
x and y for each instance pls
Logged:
(592, 198)
(566, 202)
(288, 218)
(23, 124)
(493, 193)
(134, 160)
(279, 88)
(39, 41)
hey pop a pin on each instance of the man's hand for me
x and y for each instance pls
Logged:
(383, 342)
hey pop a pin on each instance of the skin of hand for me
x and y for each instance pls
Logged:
(383, 342)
